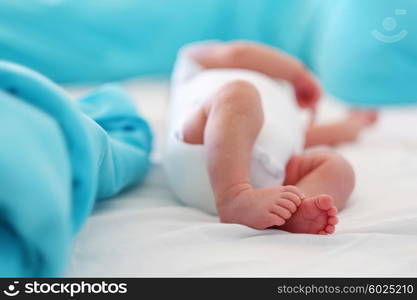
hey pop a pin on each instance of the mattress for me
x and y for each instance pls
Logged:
(146, 232)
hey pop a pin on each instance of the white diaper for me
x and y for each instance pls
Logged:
(281, 136)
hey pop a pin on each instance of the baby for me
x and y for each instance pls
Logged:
(236, 140)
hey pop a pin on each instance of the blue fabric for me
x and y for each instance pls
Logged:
(358, 59)
(57, 156)
(95, 40)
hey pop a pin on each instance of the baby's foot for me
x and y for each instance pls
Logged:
(363, 117)
(261, 208)
(355, 123)
(315, 215)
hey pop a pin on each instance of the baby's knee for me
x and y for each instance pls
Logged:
(342, 169)
(239, 97)
(239, 93)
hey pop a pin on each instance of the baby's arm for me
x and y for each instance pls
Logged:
(263, 59)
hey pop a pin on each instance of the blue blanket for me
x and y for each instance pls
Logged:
(57, 156)
(363, 51)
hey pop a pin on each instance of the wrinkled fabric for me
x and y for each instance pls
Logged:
(57, 156)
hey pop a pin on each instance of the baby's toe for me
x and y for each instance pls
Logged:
(330, 229)
(275, 220)
(295, 190)
(324, 202)
(282, 212)
(332, 211)
(333, 221)
(294, 198)
(287, 204)
(269, 221)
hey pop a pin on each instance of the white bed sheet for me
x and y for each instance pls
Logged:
(146, 232)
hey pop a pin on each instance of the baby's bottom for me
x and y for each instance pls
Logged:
(227, 125)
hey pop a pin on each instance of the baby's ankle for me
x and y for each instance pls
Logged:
(223, 198)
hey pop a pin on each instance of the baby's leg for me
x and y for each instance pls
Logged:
(344, 131)
(228, 125)
(321, 173)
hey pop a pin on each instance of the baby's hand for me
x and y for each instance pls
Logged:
(307, 90)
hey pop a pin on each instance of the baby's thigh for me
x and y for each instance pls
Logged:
(303, 164)
(232, 99)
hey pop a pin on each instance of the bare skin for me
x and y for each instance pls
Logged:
(344, 131)
(316, 184)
